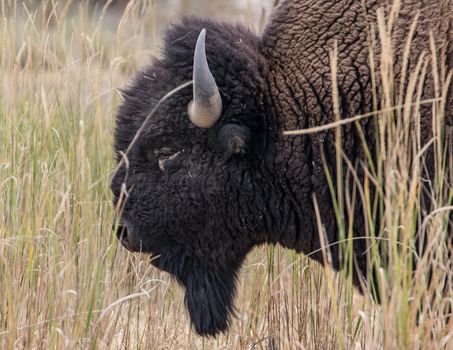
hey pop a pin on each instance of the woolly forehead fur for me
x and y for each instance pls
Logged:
(233, 57)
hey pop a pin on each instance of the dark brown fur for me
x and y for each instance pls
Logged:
(209, 205)
(297, 44)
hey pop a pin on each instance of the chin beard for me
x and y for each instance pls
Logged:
(210, 291)
(209, 299)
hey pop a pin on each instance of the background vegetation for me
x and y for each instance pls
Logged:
(65, 283)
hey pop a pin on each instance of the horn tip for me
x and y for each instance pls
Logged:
(202, 34)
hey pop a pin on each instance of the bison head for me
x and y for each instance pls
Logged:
(187, 189)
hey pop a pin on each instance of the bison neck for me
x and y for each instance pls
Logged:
(300, 93)
(297, 44)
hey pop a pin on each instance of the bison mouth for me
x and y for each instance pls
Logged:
(209, 289)
(130, 238)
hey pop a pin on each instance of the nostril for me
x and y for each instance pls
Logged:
(121, 233)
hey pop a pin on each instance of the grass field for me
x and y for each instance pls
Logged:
(66, 284)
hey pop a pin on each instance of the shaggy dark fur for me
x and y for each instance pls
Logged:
(200, 199)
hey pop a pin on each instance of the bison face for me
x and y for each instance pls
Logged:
(186, 191)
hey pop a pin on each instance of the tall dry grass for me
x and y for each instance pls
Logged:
(64, 282)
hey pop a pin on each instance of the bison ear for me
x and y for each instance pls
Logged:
(234, 139)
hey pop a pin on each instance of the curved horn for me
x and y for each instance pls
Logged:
(206, 106)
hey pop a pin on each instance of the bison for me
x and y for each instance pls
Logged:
(207, 174)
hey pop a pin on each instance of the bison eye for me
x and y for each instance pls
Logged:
(164, 152)
(164, 155)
